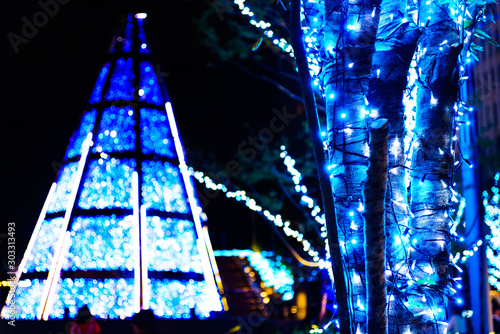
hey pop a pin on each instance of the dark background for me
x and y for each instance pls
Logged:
(47, 83)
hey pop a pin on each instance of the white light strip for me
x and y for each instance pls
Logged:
(31, 244)
(175, 133)
(195, 210)
(38, 225)
(50, 299)
(137, 240)
(211, 255)
(87, 143)
(144, 256)
(212, 294)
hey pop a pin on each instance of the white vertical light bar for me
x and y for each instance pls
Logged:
(211, 255)
(137, 243)
(202, 248)
(215, 269)
(31, 244)
(144, 256)
(50, 299)
(38, 225)
(87, 143)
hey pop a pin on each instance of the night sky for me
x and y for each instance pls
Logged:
(47, 83)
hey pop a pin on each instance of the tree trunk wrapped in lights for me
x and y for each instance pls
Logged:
(349, 36)
(319, 156)
(418, 250)
(432, 161)
(375, 241)
(397, 38)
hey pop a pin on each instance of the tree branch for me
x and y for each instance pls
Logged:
(374, 195)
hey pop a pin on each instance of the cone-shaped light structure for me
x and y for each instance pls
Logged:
(121, 228)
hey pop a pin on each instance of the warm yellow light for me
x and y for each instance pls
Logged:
(224, 303)
(301, 305)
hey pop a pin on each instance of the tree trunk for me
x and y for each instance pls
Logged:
(396, 42)
(375, 242)
(349, 36)
(431, 170)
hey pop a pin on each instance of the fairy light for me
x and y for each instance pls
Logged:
(277, 220)
(289, 162)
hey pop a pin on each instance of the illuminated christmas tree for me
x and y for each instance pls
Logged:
(121, 228)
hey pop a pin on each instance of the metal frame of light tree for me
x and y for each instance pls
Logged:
(139, 95)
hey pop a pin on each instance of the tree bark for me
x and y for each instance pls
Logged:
(375, 242)
(431, 169)
(349, 36)
(319, 156)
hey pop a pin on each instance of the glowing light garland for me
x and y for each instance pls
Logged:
(277, 220)
(301, 189)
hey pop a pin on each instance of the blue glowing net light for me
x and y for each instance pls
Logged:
(99, 86)
(150, 89)
(42, 255)
(171, 246)
(157, 177)
(116, 133)
(65, 183)
(108, 184)
(28, 296)
(91, 249)
(144, 48)
(122, 87)
(107, 299)
(86, 126)
(160, 141)
(119, 209)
